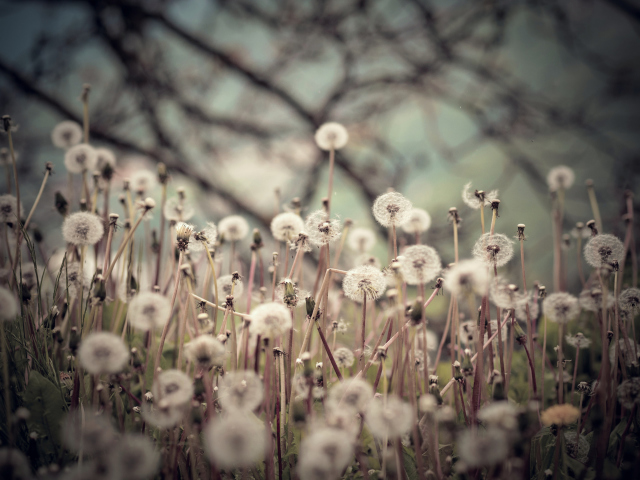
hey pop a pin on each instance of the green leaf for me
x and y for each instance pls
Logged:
(42, 399)
(409, 463)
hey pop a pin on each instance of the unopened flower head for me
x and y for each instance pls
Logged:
(82, 228)
(560, 415)
(81, 158)
(418, 221)
(361, 240)
(496, 249)
(603, 249)
(344, 357)
(233, 228)
(227, 285)
(9, 209)
(103, 352)
(321, 229)
(178, 210)
(364, 281)
(478, 198)
(353, 393)
(578, 340)
(66, 134)
(136, 457)
(331, 136)
(173, 388)
(240, 390)
(419, 264)
(205, 352)
(148, 310)
(560, 177)
(629, 392)
(270, 320)
(143, 181)
(184, 231)
(328, 446)
(234, 441)
(466, 277)
(10, 309)
(629, 301)
(205, 238)
(286, 226)
(391, 209)
(561, 307)
(391, 419)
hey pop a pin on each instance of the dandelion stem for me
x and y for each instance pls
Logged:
(560, 365)
(123, 245)
(47, 173)
(594, 204)
(5, 379)
(161, 234)
(332, 159)
(575, 371)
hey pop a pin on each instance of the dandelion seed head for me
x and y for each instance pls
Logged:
(592, 299)
(270, 320)
(173, 387)
(66, 134)
(466, 277)
(629, 301)
(496, 249)
(419, 264)
(578, 340)
(82, 228)
(88, 431)
(233, 228)
(178, 210)
(10, 308)
(103, 352)
(344, 357)
(391, 209)
(143, 181)
(321, 229)
(364, 281)
(361, 240)
(627, 354)
(504, 294)
(418, 221)
(560, 415)
(603, 249)
(240, 390)
(561, 307)
(225, 284)
(477, 198)
(9, 209)
(165, 416)
(482, 448)
(467, 332)
(352, 393)
(560, 177)
(501, 415)
(286, 226)
(390, 420)
(367, 259)
(81, 158)
(331, 135)
(205, 352)
(629, 392)
(136, 457)
(329, 446)
(521, 307)
(148, 310)
(205, 238)
(234, 441)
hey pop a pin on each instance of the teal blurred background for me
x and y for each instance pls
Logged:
(434, 94)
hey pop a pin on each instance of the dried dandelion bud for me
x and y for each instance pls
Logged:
(603, 249)
(286, 226)
(391, 209)
(82, 228)
(364, 281)
(331, 136)
(495, 250)
(477, 198)
(418, 221)
(80, 158)
(592, 226)
(183, 235)
(419, 264)
(453, 216)
(521, 236)
(561, 307)
(103, 352)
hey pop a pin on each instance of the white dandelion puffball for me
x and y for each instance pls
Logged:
(10, 308)
(629, 301)
(143, 180)
(561, 307)
(361, 240)
(82, 228)
(103, 352)
(66, 134)
(603, 249)
(353, 394)
(105, 157)
(178, 210)
(87, 431)
(331, 136)
(270, 320)
(149, 310)
(477, 199)
(205, 237)
(233, 228)
(240, 390)
(466, 277)
(418, 221)
(173, 388)
(482, 448)
(81, 158)
(419, 264)
(344, 357)
(496, 249)
(503, 294)
(391, 209)
(321, 229)
(578, 340)
(627, 356)
(390, 420)
(592, 300)
(286, 226)
(225, 284)
(629, 392)
(560, 177)
(234, 441)
(521, 307)
(206, 352)
(14, 465)
(366, 259)
(163, 417)
(9, 209)
(331, 445)
(364, 281)
(136, 456)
